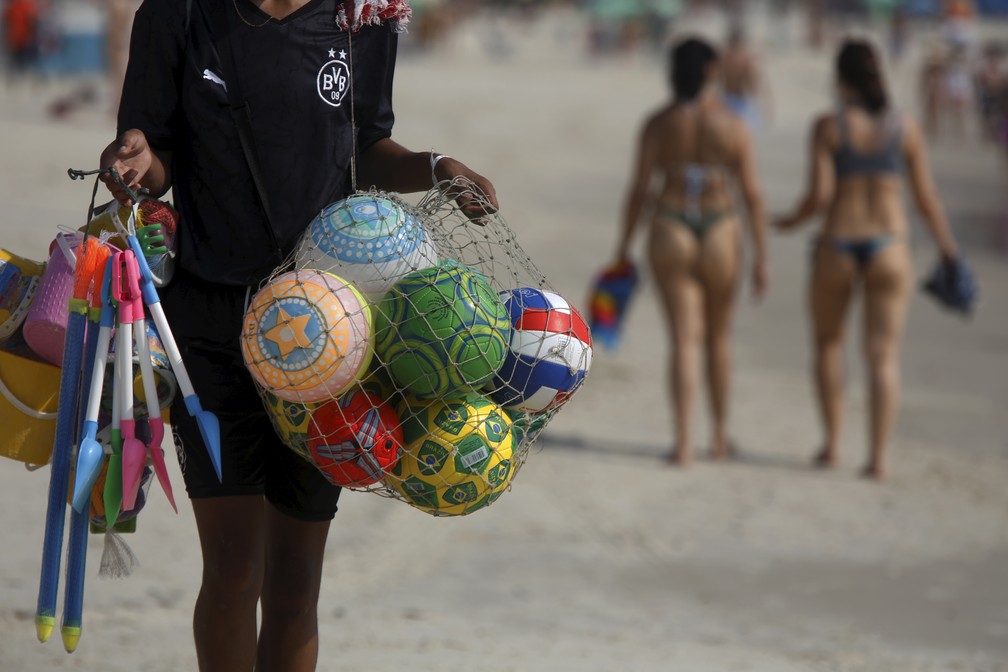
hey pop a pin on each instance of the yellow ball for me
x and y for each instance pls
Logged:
(457, 457)
(291, 420)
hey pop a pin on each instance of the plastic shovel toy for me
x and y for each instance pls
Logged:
(90, 453)
(149, 383)
(134, 452)
(59, 477)
(208, 425)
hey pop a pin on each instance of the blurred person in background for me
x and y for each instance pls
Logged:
(859, 156)
(959, 19)
(742, 86)
(691, 153)
(660, 21)
(958, 89)
(899, 33)
(932, 89)
(990, 85)
(20, 27)
(119, 23)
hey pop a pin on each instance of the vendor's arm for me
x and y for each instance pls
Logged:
(389, 166)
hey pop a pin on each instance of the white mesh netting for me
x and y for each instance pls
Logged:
(408, 351)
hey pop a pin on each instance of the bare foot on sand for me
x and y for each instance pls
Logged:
(825, 459)
(679, 457)
(873, 472)
(723, 451)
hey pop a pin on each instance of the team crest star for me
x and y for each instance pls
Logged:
(342, 55)
(289, 333)
(332, 53)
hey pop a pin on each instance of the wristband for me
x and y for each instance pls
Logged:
(434, 158)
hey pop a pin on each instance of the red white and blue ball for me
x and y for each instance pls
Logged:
(367, 239)
(549, 353)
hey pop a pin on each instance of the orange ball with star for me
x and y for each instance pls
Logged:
(307, 336)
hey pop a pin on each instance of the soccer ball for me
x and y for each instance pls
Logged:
(458, 455)
(354, 440)
(291, 419)
(366, 239)
(307, 336)
(549, 353)
(443, 331)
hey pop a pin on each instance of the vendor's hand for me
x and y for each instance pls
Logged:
(475, 195)
(131, 156)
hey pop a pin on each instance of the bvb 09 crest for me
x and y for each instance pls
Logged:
(334, 79)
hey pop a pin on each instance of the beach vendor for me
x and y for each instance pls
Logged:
(251, 111)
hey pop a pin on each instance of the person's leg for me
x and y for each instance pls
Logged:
(720, 260)
(231, 533)
(830, 293)
(673, 251)
(288, 638)
(887, 293)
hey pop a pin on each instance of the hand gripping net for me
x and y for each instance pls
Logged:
(409, 351)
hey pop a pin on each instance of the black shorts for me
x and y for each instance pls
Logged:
(206, 321)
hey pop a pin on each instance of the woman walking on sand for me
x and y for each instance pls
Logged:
(860, 154)
(691, 153)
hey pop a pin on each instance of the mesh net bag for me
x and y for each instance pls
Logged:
(408, 351)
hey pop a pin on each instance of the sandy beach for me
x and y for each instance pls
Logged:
(603, 558)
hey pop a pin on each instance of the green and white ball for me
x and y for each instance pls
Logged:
(367, 239)
(442, 331)
(458, 455)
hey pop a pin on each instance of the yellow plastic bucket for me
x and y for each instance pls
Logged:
(29, 395)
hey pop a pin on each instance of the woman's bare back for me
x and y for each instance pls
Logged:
(692, 136)
(866, 204)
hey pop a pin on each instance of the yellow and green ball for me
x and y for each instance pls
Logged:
(290, 419)
(457, 457)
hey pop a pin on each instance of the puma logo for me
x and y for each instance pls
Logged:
(213, 77)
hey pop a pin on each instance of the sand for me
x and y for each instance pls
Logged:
(602, 557)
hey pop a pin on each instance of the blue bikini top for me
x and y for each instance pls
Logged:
(887, 160)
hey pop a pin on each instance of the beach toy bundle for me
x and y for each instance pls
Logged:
(34, 317)
(116, 347)
(408, 351)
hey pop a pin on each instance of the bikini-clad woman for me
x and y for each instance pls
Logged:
(860, 155)
(691, 155)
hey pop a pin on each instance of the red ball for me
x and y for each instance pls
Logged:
(355, 440)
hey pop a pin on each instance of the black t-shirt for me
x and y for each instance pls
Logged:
(294, 75)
